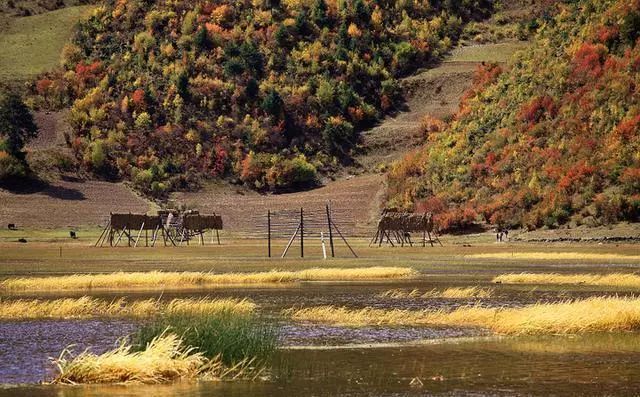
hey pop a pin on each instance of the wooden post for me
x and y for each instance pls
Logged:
(333, 254)
(301, 233)
(269, 233)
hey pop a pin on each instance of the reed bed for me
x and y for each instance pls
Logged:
(448, 293)
(230, 336)
(597, 314)
(86, 307)
(185, 280)
(165, 359)
(555, 256)
(608, 280)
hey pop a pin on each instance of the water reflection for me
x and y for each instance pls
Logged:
(591, 365)
(25, 346)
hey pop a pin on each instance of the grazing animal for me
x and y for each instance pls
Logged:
(22, 240)
(12, 226)
(72, 234)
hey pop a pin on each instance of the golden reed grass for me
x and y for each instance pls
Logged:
(85, 307)
(164, 359)
(610, 280)
(448, 293)
(184, 280)
(555, 256)
(597, 314)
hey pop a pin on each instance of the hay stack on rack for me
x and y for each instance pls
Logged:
(172, 226)
(398, 226)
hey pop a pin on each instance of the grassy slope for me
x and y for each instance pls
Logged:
(32, 45)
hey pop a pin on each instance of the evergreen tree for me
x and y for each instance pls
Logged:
(17, 127)
(319, 14)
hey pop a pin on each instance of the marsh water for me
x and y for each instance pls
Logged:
(324, 360)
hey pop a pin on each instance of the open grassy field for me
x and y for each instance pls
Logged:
(52, 252)
(32, 45)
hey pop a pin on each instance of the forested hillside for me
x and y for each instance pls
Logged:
(271, 93)
(553, 139)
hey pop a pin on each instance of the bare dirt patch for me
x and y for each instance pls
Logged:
(69, 203)
(51, 126)
(359, 195)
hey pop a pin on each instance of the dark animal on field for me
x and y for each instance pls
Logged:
(12, 226)
(22, 240)
(72, 234)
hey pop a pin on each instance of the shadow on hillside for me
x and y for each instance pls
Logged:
(29, 186)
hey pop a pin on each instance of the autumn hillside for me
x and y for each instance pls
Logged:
(551, 139)
(271, 94)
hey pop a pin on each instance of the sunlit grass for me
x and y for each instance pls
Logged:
(85, 307)
(32, 45)
(184, 280)
(611, 280)
(448, 293)
(554, 256)
(597, 314)
(166, 358)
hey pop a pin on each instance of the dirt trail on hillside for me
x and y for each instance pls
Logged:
(434, 92)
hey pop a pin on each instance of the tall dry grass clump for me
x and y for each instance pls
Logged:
(555, 256)
(609, 280)
(85, 307)
(184, 280)
(448, 293)
(597, 314)
(225, 345)
(164, 359)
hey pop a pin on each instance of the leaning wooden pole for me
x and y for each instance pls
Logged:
(345, 241)
(103, 234)
(290, 242)
(139, 234)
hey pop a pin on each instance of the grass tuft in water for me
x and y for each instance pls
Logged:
(448, 293)
(597, 314)
(165, 358)
(88, 307)
(184, 280)
(232, 336)
(607, 280)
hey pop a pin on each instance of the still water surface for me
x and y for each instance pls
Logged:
(420, 361)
